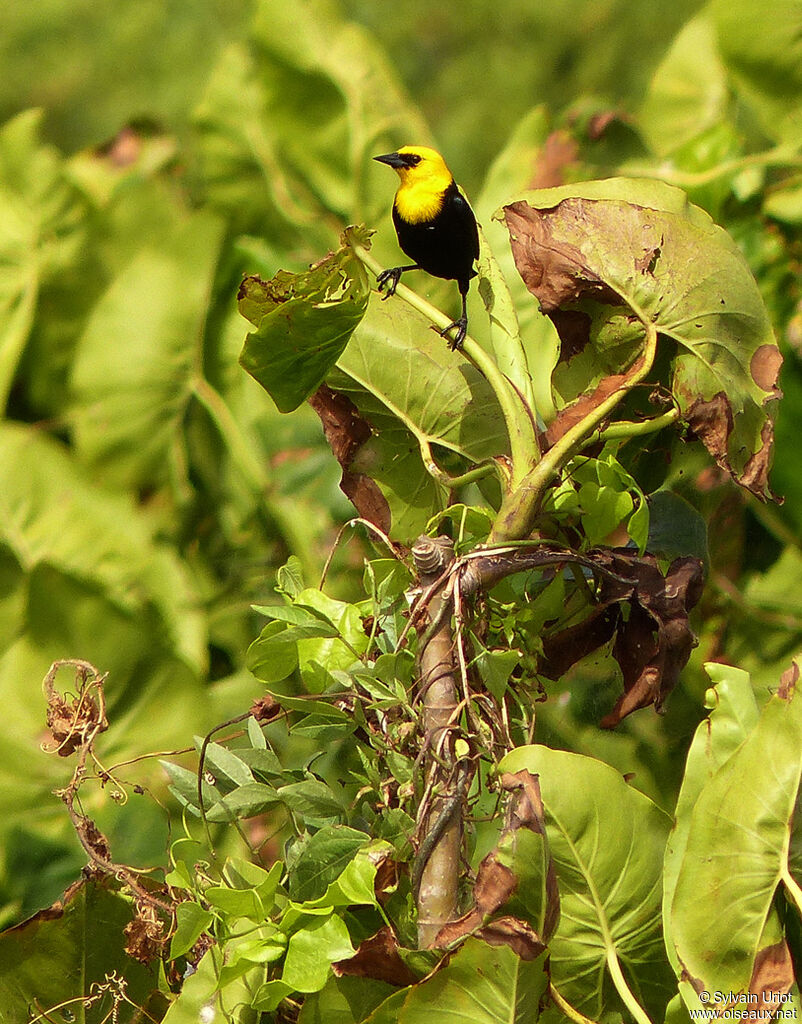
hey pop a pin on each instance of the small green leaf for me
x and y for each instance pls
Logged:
(221, 761)
(290, 577)
(312, 950)
(323, 858)
(256, 736)
(245, 801)
(311, 799)
(495, 668)
(235, 902)
(676, 529)
(191, 922)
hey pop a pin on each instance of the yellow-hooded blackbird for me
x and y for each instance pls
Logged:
(434, 223)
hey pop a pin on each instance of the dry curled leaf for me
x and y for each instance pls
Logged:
(653, 640)
(378, 958)
(346, 431)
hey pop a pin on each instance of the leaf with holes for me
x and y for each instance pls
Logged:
(607, 258)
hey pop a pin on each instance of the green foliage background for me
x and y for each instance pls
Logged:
(149, 488)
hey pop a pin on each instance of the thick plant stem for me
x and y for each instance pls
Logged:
(437, 870)
(519, 510)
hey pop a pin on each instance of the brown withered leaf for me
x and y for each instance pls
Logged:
(377, 958)
(346, 431)
(560, 152)
(518, 935)
(652, 642)
(772, 978)
(144, 935)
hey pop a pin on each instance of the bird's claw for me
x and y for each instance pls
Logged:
(455, 343)
(388, 281)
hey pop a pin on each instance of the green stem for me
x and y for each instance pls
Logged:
(624, 990)
(477, 473)
(624, 430)
(776, 157)
(524, 447)
(517, 514)
(791, 885)
(213, 402)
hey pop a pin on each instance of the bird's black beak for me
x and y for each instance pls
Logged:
(395, 160)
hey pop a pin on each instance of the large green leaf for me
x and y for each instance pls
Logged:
(87, 578)
(737, 849)
(607, 841)
(59, 955)
(396, 364)
(734, 713)
(508, 175)
(606, 257)
(140, 356)
(481, 984)
(40, 232)
(689, 90)
(290, 120)
(763, 49)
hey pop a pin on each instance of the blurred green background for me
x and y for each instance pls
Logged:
(154, 152)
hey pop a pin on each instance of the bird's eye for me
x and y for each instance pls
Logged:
(413, 159)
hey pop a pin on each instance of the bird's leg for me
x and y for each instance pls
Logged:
(388, 279)
(461, 325)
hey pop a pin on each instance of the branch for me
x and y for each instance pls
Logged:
(518, 511)
(437, 871)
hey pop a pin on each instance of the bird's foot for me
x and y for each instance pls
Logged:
(455, 343)
(388, 281)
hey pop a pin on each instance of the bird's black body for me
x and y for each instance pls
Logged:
(445, 246)
(435, 226)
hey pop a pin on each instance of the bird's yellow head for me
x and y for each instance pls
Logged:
(424, 179)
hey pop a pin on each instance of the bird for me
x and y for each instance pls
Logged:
(434, 224)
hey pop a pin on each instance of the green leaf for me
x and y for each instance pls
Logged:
(764, 56)
(526, 854)
(396, 364)
(49, 960)
(344, 1000)
(222, 761)
(607, 842)
(235, 902)
(245, 801)
(737, 850)
(666, 262)
(129, 411)
(481, 984)
(191, 922)
(689, 90)
(509, 174)
(495, 667)
(734, 714)
(303, 324)
(312, 950)
(323, 858)
(676, 529)
(40, 232)
(311, 800)
(290, 578)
